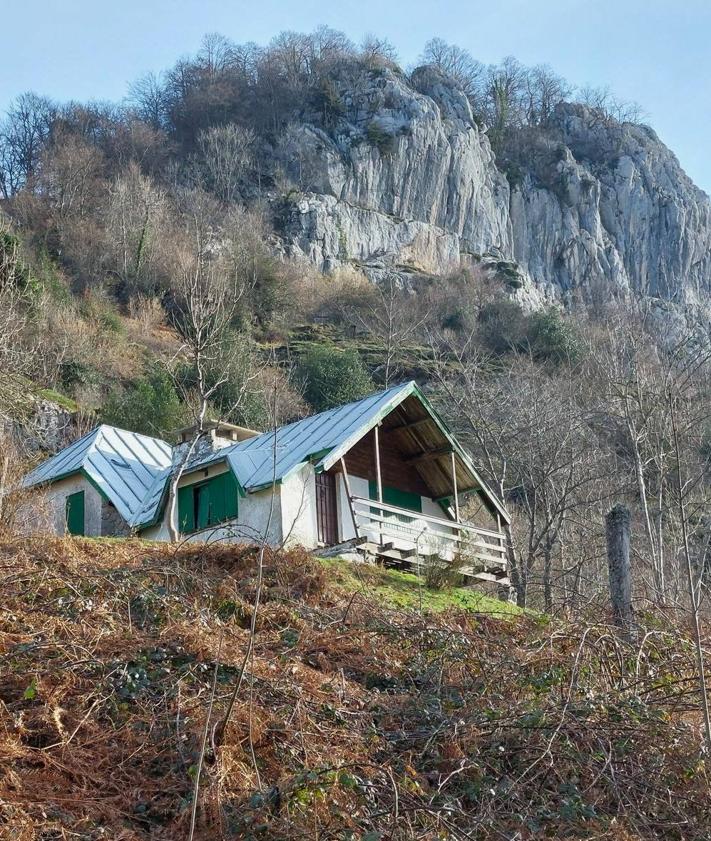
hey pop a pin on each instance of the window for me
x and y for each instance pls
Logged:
(207, 503)
(74, 513)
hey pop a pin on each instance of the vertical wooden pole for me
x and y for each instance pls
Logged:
(617, 527)
(347, 483)
(455, 491)
(378, 477)
(454, 486)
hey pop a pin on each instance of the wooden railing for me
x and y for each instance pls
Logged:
(423, 535)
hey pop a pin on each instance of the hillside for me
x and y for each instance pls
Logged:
(356, 719)
(257, 233)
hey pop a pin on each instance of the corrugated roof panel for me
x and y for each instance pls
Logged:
(304, 438)
(65, 461)
(123, 465)
(149, 510)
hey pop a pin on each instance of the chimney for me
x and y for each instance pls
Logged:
(215, 436)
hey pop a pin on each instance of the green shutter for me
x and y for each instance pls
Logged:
(202, 501)
(230, 494)
(207, 503)
(394, 496)
(75, 513)
(186, 509)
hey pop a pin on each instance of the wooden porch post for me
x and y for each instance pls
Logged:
(378, 476)
(454, 485)
(346, 482)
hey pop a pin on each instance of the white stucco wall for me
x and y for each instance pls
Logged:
(252, 522)
(56, 500)
(298, 508)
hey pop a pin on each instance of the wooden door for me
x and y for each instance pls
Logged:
(326, 509)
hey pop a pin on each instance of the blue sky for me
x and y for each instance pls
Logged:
(656, 52)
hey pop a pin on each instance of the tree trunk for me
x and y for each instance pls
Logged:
(514, 570)
(617, 523)
(547, 577)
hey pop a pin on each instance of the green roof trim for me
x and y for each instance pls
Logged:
(408, 390)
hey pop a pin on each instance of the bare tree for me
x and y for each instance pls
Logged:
(227, 154)
(692, 486)
(610, 107)
(69, 175)
(391, 314)
(504, 88)
(138, 220)
(23, 133)
(148, 96)
(378, 52)
(543, 90)
(204, 306)
(456, 63)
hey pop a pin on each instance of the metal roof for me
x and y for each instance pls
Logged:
(253, 460)
(126, 467)
(133, 470)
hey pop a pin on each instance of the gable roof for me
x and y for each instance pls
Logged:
(133, 470)
(253, 460)
(125, 467)
(326, 437)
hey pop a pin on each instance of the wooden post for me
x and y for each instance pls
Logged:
(454, 485)
(378, 477)
(347, 483)
(617, 526)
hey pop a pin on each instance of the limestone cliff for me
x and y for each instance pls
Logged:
(405, 178)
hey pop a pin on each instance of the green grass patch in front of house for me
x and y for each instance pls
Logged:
(406, 591)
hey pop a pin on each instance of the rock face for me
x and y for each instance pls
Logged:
(42, 426)
(614, 208)
(406, 179)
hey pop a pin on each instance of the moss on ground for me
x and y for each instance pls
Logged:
(406, 591)
(60, 399)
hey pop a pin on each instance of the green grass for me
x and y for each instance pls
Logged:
(406, 591)
(60, 399)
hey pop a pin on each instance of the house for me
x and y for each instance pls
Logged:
(382, 475)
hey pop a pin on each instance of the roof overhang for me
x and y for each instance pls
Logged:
(428, 445)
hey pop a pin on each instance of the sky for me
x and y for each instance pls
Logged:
(654, 52)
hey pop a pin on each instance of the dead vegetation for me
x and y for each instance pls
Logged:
(354, 722)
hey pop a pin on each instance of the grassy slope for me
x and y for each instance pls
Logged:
(403, 590)
(365, 720)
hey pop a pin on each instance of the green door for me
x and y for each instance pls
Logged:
(75, 513)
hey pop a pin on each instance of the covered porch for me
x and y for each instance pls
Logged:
(396, 494)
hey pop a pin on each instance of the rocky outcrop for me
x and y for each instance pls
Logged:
(327, 232)
(41, 425)
(612, 207)
(407, 179)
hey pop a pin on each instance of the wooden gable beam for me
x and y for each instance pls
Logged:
(428, 456)
(409, 425)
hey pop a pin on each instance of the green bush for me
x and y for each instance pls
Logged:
(552, 338)
(332, 377)
(150, 405)
(73, 373)
(545, 335)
